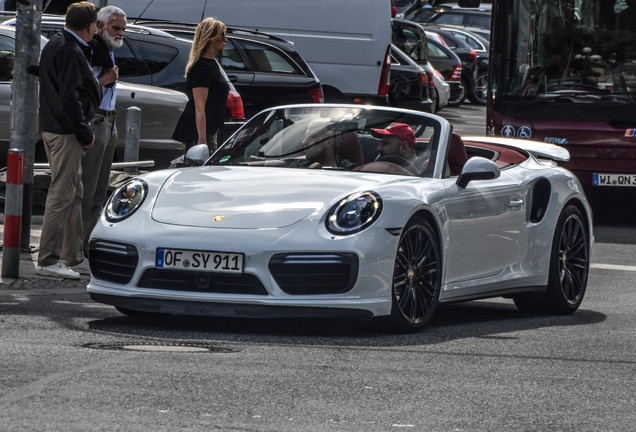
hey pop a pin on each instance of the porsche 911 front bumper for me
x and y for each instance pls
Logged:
(288, 272)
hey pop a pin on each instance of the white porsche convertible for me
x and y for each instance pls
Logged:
(330, 210)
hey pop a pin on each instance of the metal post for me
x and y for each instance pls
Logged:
(131, 146)
(13, 214)
(24, 107)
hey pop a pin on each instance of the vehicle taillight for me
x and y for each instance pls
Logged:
(316, 95)
(430, 77)
(424, 78)
(473, 54)
(385, 75)
(457, 73)
(235, 105)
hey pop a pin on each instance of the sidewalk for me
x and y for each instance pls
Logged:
(28, 278)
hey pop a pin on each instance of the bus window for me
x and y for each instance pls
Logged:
(564, 72)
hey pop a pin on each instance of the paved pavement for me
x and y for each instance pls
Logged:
(28, 278)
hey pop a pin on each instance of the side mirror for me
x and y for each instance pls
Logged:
(478, 168)
(197, 155)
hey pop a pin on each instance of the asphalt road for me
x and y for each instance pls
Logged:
(467, 119)
(69, 364)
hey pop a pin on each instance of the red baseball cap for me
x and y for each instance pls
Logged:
(400, 130)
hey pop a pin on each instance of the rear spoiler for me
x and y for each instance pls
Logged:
(538, 149)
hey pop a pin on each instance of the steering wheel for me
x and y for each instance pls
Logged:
(400, 161)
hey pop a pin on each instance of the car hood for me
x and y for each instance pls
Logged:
(249, 197)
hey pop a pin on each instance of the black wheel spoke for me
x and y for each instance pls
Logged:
(569, 267)
(574, 259)
(416, 275)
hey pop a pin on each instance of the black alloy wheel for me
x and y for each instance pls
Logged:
(416, 276)
(569, 268)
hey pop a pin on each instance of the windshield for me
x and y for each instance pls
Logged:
(335, 138)
(564, 51)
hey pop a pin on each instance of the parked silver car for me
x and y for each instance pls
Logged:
(160, 110)
(442, 88)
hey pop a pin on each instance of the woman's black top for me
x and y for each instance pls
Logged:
(204, 73)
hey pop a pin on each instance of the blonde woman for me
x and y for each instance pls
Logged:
(206, 88)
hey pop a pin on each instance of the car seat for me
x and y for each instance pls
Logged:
(457, 155)
(369, 147)
(350, 148)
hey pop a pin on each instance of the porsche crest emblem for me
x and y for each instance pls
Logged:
(218, 218)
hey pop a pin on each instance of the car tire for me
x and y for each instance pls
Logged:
(480, 92)
(459, 97)
(433, 96)
(416, 277)
(437, 108)
(569, 268)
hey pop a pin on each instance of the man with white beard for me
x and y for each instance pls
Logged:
(111, 23)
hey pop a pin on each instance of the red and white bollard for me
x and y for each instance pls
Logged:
(13, 214)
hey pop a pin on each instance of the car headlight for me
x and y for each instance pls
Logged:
(354, 213)
(126, 200)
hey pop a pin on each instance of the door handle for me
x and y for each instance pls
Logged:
(515, 204)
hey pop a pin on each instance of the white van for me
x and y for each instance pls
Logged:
(347, 43)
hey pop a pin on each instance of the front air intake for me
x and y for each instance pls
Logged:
(311, 273)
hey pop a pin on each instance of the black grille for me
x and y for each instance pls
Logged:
(113, 262)
(312, 273)
(181, 280)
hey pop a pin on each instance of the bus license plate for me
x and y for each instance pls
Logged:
(193, 260)
(620, 180)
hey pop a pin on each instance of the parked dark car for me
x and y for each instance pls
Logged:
(153, 57)
(409, 82)
(450, 66)
(466, 54)
(463, 17)
(265, 69)
(410, 38)
(482, 48)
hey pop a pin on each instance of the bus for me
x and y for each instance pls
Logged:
(564, 72)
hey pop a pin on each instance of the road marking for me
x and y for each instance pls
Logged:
(613, 267)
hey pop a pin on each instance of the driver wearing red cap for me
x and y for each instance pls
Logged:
(398, 139)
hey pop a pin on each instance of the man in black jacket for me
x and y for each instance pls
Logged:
(69, 96)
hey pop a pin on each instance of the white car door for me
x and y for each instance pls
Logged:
(486, 221)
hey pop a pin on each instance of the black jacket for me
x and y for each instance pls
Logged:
(101, 56)
(69, 91)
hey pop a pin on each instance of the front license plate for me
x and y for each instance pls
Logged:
(223, 262)
(620, 180)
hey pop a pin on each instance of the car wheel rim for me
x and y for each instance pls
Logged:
(459, 97)
(481, 88)
(416, 275)
(573, 259)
